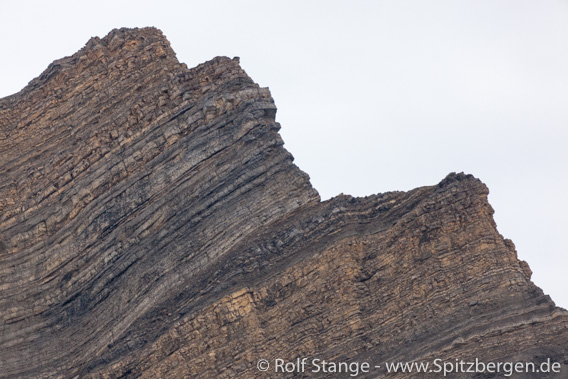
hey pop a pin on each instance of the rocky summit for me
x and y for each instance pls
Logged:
(153, 225)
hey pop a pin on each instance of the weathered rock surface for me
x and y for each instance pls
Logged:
(152, 225)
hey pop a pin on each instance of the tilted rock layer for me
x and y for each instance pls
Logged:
(153, 225)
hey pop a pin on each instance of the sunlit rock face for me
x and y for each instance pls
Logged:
(153, 225)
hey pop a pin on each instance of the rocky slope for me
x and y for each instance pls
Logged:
(152, 225)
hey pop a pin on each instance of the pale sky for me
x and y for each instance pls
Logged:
(374, 96)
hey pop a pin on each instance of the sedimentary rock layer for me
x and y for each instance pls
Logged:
(153, 225)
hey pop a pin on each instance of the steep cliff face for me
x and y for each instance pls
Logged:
(152, 224)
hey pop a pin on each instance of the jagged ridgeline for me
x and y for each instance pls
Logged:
(153, 225)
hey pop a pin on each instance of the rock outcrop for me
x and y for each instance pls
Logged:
(152, 225)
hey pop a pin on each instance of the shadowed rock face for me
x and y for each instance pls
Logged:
(152, 225)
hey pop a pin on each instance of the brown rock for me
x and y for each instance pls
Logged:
(152, 225)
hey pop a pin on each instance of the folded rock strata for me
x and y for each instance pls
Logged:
(152, 225)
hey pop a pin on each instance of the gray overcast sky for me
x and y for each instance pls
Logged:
(374, 96)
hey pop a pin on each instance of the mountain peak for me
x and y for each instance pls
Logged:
(152, 224)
